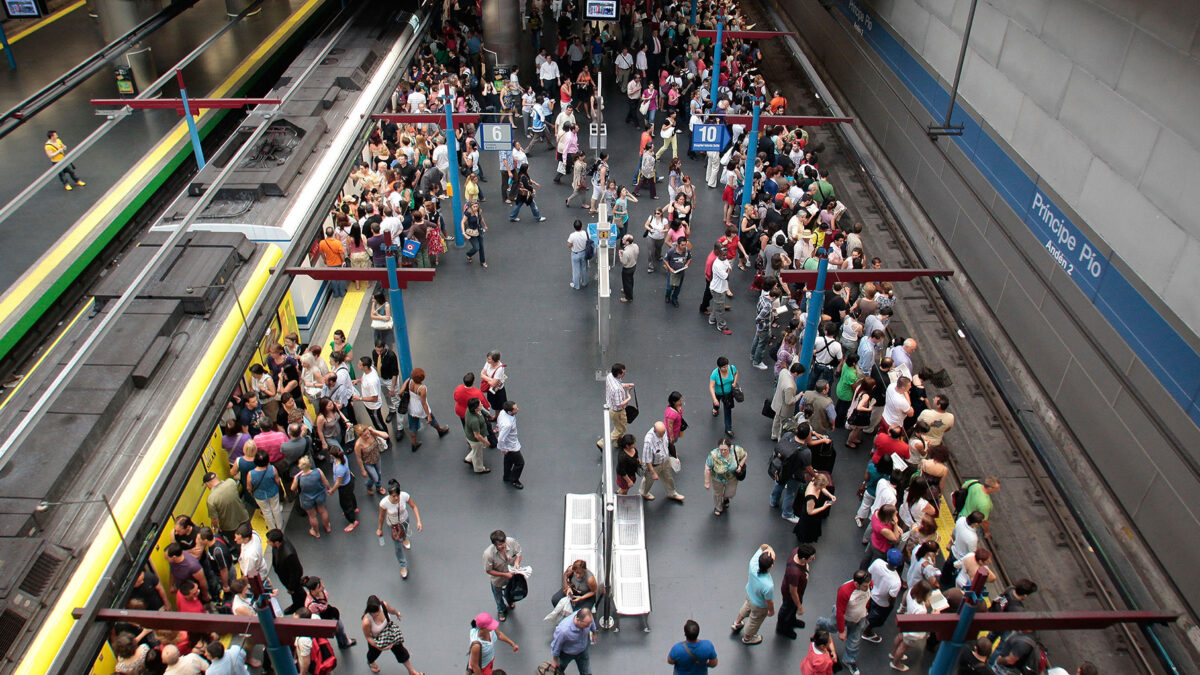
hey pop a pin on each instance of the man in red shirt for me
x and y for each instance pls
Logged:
(463, 393)
(889, 443)
(851, 617)
(187, 598)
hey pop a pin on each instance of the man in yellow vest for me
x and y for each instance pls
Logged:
(56, 150)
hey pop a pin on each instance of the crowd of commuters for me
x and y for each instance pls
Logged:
(294, 439)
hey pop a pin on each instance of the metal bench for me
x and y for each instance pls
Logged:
(630, 570)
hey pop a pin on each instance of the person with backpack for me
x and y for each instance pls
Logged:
(1020, 654)
(481, 655)
(976, 495)
(789, 467)
(316, 601)
(313, 655)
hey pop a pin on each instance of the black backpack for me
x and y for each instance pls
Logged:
(775, 466)
(517, 587)
(959, 497)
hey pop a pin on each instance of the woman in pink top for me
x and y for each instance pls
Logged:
(673, 417)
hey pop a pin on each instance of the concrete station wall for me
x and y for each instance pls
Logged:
(1070, 199)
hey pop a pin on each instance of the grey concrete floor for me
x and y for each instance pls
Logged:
(45, 55)
(547, 332)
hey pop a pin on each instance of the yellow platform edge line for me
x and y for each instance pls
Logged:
(45, 22)
(53, 632)
(66, 246)
(37, 364)
(347, 314)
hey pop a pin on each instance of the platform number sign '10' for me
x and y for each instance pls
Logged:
(495, 136)
(709, 137)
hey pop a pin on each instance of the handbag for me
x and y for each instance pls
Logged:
(471, 232)
(399, 531)
(348, 436)
(738, 394)
(666, 132)
(402, 400)
(631, 409)
(411, 246)
(767, 411)
(740, 474)
(389, 635)
(676, 464)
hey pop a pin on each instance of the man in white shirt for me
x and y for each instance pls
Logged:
(548, 73)
(655, 458)
(624, 64)
(508, 443)
(185, 664)
(416, 99)
(885, 586)
(897, 405)
(250, 556)
(224, 660)
(441, 157)
(719, 286)
(641, 62)
(577, 242)
(372, 394)
(616, 396)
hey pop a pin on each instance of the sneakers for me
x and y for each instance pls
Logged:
(760, 366)
(754, 640)
(542, 219)
(899, 666)
(514, 220)
(873, 637)
(80, 183)
(792, 519)
(712, 321)
(68, 188)
(726, 331)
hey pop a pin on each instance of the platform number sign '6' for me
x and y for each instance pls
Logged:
(709, 137)
(495, 136)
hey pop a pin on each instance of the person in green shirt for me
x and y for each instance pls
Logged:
(476, 427)
(979, 498)
(845, 387)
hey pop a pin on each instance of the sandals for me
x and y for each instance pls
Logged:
(314, 533)
(716, 512)
(716, 411)
(374, 667)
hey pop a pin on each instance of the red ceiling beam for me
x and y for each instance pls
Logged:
(287, 628)
(943, 625)
(177, 104)
(785, 120)
(376, 274)
(744, 34)
(428, 118)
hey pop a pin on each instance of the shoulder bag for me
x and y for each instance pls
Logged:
(631, 409)
(740, 473)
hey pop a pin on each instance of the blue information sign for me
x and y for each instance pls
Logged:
(709, 137)
(495, 136)
(612, 235)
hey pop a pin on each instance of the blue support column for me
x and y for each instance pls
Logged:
(452, 152)
(694, 4)
(191, 122)
(12, 62)
(748, 180)
(815, 302)
(948, 652)
(281, 655)
(716, 64)
(399, 324)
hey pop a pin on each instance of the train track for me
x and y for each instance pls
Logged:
(1095, 579)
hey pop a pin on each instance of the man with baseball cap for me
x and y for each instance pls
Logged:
(224, 505)
(885, 586)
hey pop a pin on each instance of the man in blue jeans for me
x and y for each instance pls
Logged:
(797, 459)
(498, 561)
(850, 617)
(577, 241)
(572, 638)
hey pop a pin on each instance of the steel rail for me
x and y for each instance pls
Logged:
(148, 92)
